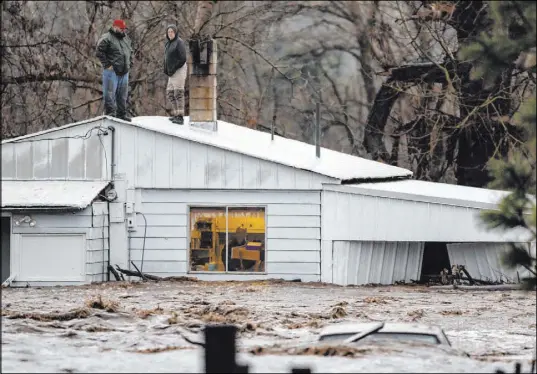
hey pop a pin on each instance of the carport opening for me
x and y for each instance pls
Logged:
(435, 259)
(6, 248)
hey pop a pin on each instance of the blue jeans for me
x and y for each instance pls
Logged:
(115, 93)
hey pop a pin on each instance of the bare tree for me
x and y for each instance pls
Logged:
(393, 84)
(50, 75)
(458, 123)
(387, 74)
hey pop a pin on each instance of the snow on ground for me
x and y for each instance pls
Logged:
(145, 332)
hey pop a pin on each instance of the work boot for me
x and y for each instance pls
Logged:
(178, 120)
(126, 118)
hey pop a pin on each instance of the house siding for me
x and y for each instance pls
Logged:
(152, 160)
(293, 231)
(97, 251)
(348, 216)
(64, 154)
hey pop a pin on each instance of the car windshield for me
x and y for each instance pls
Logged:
(336, 337)
(386, 336)
(401, 337)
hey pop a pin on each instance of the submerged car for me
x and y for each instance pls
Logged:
(384, 332)
(359, 340)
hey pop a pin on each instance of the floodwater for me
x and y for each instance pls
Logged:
(63, 329)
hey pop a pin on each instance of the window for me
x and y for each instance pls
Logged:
(207, 239)
(227, 239)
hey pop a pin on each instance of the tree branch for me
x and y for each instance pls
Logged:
(257, 53)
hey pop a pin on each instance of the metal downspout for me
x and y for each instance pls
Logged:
(112, 177)
(113, 155)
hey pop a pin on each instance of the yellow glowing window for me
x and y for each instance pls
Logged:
(227, 239)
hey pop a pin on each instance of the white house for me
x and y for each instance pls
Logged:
(179, 200)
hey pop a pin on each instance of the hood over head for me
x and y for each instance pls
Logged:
(174, 28)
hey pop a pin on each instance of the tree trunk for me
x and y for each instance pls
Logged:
(473, 137)
(203, 15)
(478, 141)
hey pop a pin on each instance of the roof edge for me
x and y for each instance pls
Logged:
(409, 197)
(377, 180)
(44, 209)
(74, 207)
(69, 125)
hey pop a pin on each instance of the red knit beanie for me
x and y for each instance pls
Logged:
(120, 24)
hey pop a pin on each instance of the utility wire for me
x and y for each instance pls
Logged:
(87, 135)
(100, 131)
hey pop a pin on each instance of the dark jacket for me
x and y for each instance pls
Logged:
(115, 49)
(174, 53)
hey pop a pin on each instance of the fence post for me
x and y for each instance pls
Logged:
(242, 369)
(220, 349)
(301, 371)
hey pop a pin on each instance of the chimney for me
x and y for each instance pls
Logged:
(202, 62)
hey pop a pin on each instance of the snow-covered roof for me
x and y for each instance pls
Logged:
(258, 144)
(433, 192)
(25, 194)
(280, 150)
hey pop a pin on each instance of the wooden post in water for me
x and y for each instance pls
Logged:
(220, 349)
(301, 371)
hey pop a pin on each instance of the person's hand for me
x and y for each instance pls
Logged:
(110, 67)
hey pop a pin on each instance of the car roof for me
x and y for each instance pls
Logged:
(389, 327)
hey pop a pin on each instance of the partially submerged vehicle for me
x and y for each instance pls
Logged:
(383, 332)
(360, 340)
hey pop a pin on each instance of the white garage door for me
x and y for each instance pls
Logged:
(52, 257)
(358, 263)
(484, 261)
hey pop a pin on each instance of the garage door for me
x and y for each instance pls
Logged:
(484, 261)
(45, 258)
(358, 263)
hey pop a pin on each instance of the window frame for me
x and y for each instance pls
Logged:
(226, 206)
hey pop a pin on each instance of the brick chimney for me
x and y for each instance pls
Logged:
(202, 62)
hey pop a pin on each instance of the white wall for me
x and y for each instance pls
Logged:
(349, 216)
(91, 223)
(147, 159)
(292, 237)
(152, 160)
(97, 244)
(54, 158)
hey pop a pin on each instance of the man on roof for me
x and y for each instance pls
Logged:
(175, 68)
(114, 50)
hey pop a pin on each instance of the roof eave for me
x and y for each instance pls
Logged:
(54, 129)
(44, 208)
(375, 179)
(410, 197)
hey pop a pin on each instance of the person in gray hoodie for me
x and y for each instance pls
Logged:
(175, 68)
